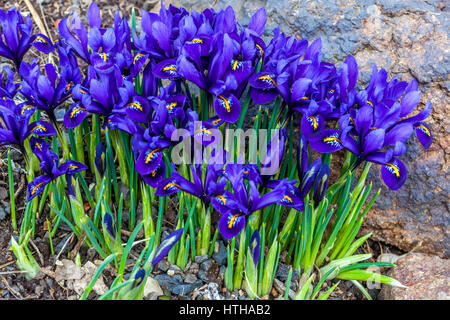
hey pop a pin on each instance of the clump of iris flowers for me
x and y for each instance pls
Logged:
(132, 95)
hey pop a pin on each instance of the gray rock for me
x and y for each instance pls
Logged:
(426, 277)
(174, 270)
(206, 265)
(3, 212)
(163, 265)
(59, 114)
(61, 244)
(184, 289)
(3, 193)
(202, 275)
(190, 278)
(221, 255)
(200, 259)
(194, 267)
(211, 292)
(282, 274)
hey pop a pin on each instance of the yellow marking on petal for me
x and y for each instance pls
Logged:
(331, 91)
(136, 105)
(72, 167)
(227, 105)
(245, 172)
(171, 185)
(235, 65)
(224, 200)
(36, 187)
(76, 110)
(203, 130)
(351, 119)
(314, 122)
(369, 103)
(216, 121)
(394, 167)
(4, 98)
(40, 39)
(82, 91)
(154, 173)
(69, 85)
(170, 106)
(104, 56)
(197, 40)
(39, 146)
(231, 223)
(169, 68)
(260, 49)
(39, 127)
(332, 139)
(268, 78)
(137, 56)
(426, 130)
(147, 160)
(288, 198)
(304, 98)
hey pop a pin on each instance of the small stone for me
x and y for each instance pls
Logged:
(281, 288)
(388, 257)
(59, 114)
(38, 290)
(61, 244)
(170, 272)
(206, 265)
(194, 268)
(152, 289)
(200, 259)
(190, 278)
(3, 193)
(163, 265)
(184, 289)
(221, 255)
(202, 275)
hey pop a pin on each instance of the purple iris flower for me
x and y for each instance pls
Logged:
(49, 164)
(18, 127)
(8, 88)
(277, 74)
(108, 93)
(46, 92)
(372, 130)
(190, 66)
(103, 48)
(18, 37)
(237, 206)
(206, 189)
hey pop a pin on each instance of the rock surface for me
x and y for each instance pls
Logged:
(410, 40)
(427, 278)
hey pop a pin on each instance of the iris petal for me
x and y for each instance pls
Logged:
(74, 116)
(424, 135)
(227, 107)
(328, 141)
(394, 173)
(230, 224)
